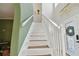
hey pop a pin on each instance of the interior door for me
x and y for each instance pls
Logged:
(6, 30)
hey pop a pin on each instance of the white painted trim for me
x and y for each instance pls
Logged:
(63, 40)
(52, 22)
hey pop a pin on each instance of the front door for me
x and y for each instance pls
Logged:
(70, 37)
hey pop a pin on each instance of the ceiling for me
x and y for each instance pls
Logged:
(6, 10)
(65, 11)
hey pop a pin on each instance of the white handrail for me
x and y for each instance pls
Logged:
(23, 24)
(52, 22)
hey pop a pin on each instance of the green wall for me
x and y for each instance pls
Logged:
(22, 12)
(26, 11)
(15, 33)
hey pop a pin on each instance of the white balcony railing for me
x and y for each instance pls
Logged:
(54, 32)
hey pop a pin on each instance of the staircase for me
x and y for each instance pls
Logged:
(37, 44)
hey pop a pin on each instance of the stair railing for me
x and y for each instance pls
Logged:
(24, 29)
(54, 32)
(26, 20)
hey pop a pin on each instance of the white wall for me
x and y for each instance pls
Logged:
(47, 10)
(37, 17)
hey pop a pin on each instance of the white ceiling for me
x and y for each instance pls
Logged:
(6, 10)
(65, 11)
